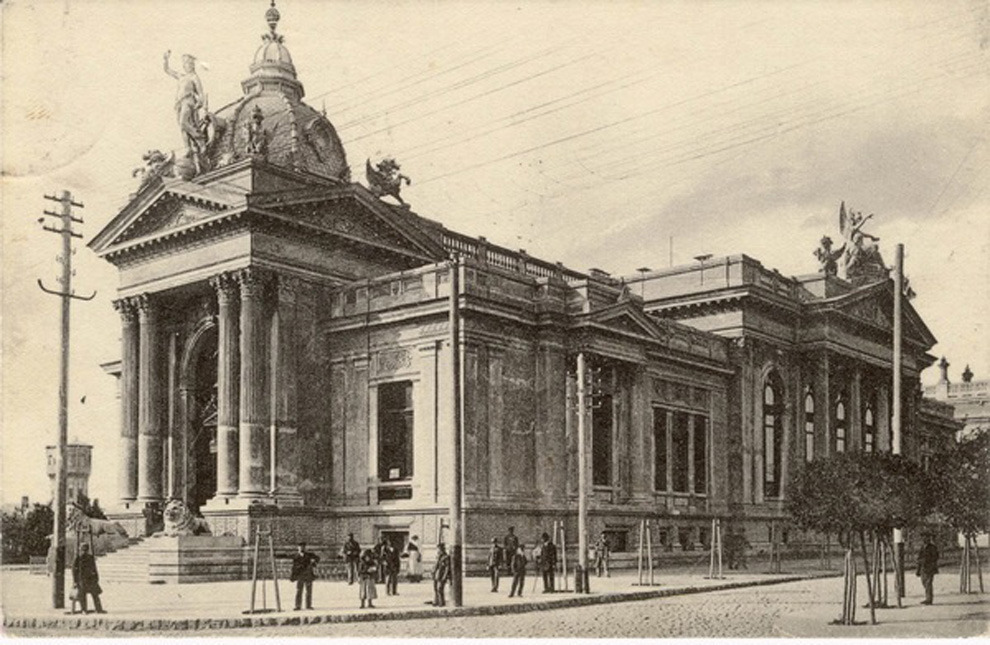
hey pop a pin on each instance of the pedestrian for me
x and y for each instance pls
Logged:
(517, 566)
(380, 549)
(86, 580)
(367, 571)
(392, 565)
(415, 557)
(495, 558)
(547, 562)
(441, 575)
(510, 544)
(927, 568)
(603, 550)
(352, 556)
(303, 574)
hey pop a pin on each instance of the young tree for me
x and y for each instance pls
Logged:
(960, 484)
(856, 495)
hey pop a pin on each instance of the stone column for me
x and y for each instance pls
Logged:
(151, 408)
(255, 403)
(228, 384)
(128, 474)
(854, 417)
(285, 370)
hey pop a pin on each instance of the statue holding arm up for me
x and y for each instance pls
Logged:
(189, 98)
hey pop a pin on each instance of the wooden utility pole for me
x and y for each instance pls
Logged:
(581, 581)
(456, 524)
(895, 422)
(67, 295)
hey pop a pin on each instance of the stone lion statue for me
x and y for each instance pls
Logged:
(78, 522)
(179, 520)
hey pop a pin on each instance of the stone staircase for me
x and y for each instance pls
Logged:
(127, 564)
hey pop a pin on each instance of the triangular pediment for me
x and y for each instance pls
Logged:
(164, 207)
(353, 213)
(874, 305)
(626, 317)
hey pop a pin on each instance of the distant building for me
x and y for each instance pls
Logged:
(78, 465)
(971, 399)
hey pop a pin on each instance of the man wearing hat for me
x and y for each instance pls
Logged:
(303, 574)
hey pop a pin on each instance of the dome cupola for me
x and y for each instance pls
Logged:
(272, 68)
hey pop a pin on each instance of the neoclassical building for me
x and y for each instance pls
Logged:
(286, 362)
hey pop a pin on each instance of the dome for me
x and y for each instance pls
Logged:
(271, 122)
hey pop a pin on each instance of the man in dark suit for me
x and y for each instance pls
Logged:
(380, 555)
(303, 574)
(927, 568)
(441, 576)
(392, 563)
(511, 544)
(86, 579)
(352, 555)
(517, 565)
(495, 558)
(548, 563)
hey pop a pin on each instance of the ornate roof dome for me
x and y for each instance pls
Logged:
(271, 122)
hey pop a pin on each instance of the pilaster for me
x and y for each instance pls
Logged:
(228, 383)
(255, 404)
(285, 369)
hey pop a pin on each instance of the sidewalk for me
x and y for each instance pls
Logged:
(220, 605)
(954, 615)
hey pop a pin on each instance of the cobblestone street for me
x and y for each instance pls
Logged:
(801, 609)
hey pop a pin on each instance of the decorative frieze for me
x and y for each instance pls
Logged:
(389, 361)
(681, 394)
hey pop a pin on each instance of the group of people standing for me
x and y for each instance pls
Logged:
(511, 556)
(380, 564)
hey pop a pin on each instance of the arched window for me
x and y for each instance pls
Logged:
(840, 425)
(773, 409)
(869, 429)
(809, 425)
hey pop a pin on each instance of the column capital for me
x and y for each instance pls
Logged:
(127, 308)
(253, 282)
(226, 286)
(146, 306)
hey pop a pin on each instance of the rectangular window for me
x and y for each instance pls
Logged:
(601, 440)
(618, 539)
(395, 431)
(679, 450)
(700, 455)
(659, 449)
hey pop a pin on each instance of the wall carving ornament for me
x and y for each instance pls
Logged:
(389, 361)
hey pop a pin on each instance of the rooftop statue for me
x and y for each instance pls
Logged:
(829, 258)
(199, 128)
(861, 248)
(385, 179)
(156, 164)
(257, 136)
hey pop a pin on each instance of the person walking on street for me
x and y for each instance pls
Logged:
(367, 571)
(303, 574)
(548, 563)
(495, 557)
(441, 576)
(927, 568)
(415, 556)
(352, 556)
(86, 580)
(603, 551)
(392, 564)
(517, 565)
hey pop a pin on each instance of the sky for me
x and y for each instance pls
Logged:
(589, 133)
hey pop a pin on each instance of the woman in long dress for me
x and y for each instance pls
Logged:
(415, 557)
(367, 570)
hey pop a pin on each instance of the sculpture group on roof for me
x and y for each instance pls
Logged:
(385, 179)
(858, 255)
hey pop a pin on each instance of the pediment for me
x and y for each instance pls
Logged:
(349, 212)
(162, 208)
(625, 317)
(874, 305)
(168, 213)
